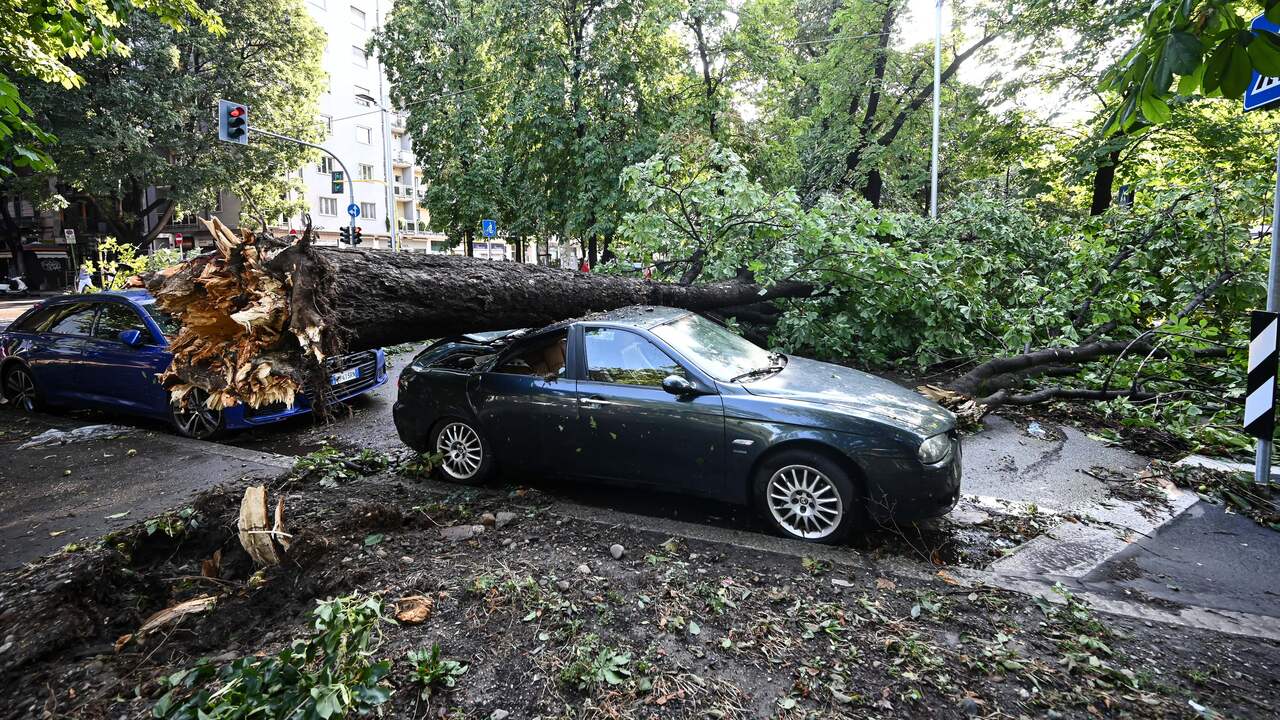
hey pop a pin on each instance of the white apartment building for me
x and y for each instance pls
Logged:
(369, 140)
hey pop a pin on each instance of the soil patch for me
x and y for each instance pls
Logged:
(549, 624)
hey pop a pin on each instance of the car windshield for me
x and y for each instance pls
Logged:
(168, 325)
(719, 352)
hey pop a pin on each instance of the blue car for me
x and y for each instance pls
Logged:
(104, 351)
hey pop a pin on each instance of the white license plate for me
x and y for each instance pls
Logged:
(344, 376)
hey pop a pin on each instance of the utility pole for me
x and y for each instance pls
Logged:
(937, 104)
(387, 168)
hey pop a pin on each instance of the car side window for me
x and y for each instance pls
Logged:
(115, 319)
(77, 320)
(619, 356)
(39, 320)
(542, 358)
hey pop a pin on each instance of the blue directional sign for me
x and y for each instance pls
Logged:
(1262, 91)
(353, 210)
(489, 228)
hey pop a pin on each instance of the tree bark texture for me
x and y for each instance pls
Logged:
(260, 316)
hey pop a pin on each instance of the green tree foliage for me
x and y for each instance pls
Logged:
(40, 39)
(1205, 45)
(1169, 279)
(147, 118)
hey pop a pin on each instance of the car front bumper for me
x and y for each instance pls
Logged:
(240, 416)
(909, 490)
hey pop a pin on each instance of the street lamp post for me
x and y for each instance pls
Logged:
(937, 95)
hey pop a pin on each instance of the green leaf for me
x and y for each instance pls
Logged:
(1238, 72)
(1155, 110)
(1217, 65)
(1184, 52)
(1273, 11)
(1265, 54)
(694, 628)
(374, 539)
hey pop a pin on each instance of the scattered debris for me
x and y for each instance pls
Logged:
(968, 411)
(173, 613)
(488, 520)
(504, 518)
(414, 609)
(458, 533)
(81, 434)
(1234, 489)
(212, 567)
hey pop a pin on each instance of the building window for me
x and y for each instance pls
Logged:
(357, 17)
(326, 122)
(325, 165)
(328, 206)
(368, 210)
(364, 135)
(357, 56)
(363, 96)
(366, 172)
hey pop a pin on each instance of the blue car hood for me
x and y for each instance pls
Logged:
(841, 387)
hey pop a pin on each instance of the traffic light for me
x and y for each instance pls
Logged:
(357, 237)
(233, 122)
(336, 184)
(344, 235)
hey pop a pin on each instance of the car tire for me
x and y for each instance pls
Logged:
(465, 456)
(195, 420)
(807, 496)
(20, 389)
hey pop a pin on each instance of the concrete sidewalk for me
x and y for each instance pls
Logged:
(56, 494)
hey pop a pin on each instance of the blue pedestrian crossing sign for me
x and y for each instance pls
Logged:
(353, 210)
(489, 228)
(1263, 91)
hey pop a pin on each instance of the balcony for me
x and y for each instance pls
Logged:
(399, 120)
(400, 156)
(403, 192)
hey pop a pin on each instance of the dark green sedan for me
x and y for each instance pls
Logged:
(664, 398)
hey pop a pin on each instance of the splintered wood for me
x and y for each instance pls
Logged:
(265, 544)
(235, 342)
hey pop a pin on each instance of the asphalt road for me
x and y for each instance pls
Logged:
(56, 494)
(1206, 557)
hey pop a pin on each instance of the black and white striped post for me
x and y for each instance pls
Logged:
(1260, 399)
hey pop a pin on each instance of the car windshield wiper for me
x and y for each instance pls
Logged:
(779, 364)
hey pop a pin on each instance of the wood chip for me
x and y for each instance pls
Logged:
(174, 612)
(414, 609)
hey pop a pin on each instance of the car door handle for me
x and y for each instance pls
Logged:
(595, 401)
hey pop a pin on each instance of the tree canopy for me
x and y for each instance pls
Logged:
(146, 118)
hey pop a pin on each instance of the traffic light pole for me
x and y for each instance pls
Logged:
(351, 188)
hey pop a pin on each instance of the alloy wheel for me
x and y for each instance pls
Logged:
(195, 418)
(20, 388)
(805, 502)
(461, 450)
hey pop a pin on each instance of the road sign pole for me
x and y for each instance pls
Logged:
(1262, 464)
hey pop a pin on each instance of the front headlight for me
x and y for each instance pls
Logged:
(935, 449)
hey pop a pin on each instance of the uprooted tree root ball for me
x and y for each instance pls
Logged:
(260, 315)
(254, 319)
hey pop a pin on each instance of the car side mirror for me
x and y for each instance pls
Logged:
(132, 338)
(678, 386)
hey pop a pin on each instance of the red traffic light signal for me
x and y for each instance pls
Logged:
(233, 122)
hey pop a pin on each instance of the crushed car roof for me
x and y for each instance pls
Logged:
(644, 317)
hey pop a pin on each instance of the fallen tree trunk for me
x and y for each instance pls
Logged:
(259, 316)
